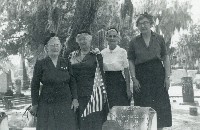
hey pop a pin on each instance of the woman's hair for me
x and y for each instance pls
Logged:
(145, 15)
(85, 34)
(112, 28)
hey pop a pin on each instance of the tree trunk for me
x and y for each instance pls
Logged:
(83, 18)
(198, 66)
(24, 75)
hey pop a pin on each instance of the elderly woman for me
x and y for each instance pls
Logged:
(53, 107)
(115, 62)
(150, 70)
(84, 63)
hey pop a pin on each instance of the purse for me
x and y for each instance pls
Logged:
(31, 120)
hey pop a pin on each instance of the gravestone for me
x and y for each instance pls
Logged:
(193, 111)
(197, 81)
(187, 90)
(3, 81)
(131, 118)
(18, 86)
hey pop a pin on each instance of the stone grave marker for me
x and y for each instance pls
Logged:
(3, 81)
(131, 118)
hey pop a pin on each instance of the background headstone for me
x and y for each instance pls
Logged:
(3, 82)
(187, 90)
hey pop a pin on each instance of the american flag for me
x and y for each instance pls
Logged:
(98, 96)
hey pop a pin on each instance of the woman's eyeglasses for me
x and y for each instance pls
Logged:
(144, 23)
(110, 36)
(54, 45)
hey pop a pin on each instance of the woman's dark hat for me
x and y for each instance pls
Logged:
(49, 37)
(84, 31)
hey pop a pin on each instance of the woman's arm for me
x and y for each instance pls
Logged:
(73, 88)
(35, 83)
(167, 67)
(166, 62)
(132, 68)
(126, 72)
(136, 85)
(72, 83)
(127, 79)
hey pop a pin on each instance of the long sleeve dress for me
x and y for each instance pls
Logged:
(84, 72)
(57, 91)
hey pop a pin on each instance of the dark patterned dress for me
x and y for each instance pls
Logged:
(150, 73)
(58, 89)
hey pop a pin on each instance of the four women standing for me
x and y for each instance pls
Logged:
(149, 68)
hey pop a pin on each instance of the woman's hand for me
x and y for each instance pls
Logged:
(129, 93)
(75, 104)
(167, 83)
(136, 85)
(96, 51)
(33, 110)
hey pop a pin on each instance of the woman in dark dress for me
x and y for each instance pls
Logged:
(84, 64)
(150, 70)
(54, 106)
(115, 62)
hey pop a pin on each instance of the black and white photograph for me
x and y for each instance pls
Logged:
(99, 65)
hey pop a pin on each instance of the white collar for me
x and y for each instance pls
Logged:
(115, 50)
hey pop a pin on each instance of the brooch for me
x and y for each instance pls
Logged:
(65, 68)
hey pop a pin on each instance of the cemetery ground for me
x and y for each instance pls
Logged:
(182, 120)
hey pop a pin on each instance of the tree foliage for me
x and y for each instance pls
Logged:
(27, 22)
(189, 46)
(83, 18)
(127, 10)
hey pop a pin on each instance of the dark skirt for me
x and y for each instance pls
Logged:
(55, 116)
(153, 94)
(116, 89)
(93, 121)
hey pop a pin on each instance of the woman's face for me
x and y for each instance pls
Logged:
(84, 41)
(112, 37)
(144, 25)
(54, 46)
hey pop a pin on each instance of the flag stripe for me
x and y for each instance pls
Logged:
(96, 100)
(100, 97)
(94, 104)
